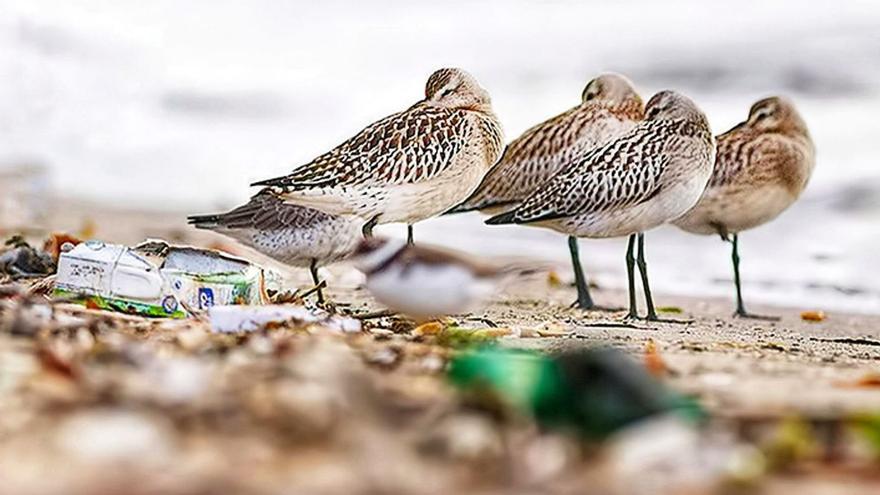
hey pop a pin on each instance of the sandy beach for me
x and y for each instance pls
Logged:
(792, 365)
(752, 377)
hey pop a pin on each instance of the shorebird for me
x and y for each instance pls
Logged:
(761, 168)
(409, 166)
(293, 235)
(425, 282)
(610, 106)
(649, 176)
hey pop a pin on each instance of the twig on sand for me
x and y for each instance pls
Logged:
(487, 321)
(614, 324)
(371, 315)
(314, 289)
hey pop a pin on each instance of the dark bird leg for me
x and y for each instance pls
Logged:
(584, 300)
(368, 227)
(643, 270)
(313, 269)
(409, 235)
(649, 299)
(631, 277)
(740, 307)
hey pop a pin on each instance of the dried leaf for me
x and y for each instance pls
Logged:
(552, 330)
(553, 279)
(56, 241)
(53, 363)
(430, 328)
(868, 380)
(670, 309)
(653, 361)
(813, 315)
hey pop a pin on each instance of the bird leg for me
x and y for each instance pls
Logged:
(409, 234)
(368, 227)
(649, 299)
(319, 284)
(584, 301)
(643, 270)
(631, 277)
(740, 307)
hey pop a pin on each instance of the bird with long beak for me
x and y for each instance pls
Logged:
(761, 168)
(647, 177)
(293, 235)
(428, 282)
(609, 107)
(409, 166)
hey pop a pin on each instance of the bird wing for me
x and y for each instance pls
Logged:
(264, 211)
(411, 146)
(622, 173)
(536, 156)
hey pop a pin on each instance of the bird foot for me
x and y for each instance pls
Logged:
(653, 318)
(594, 307)
(327, 305)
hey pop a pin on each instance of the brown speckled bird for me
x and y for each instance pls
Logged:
(653, 174)
(409, 166)
(294, 235)
(762, 166)
(609, 107)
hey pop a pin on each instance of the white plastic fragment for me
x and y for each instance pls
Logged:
(227, 319)
(155, 278)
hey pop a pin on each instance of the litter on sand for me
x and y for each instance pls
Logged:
(157, 279)
(231, 319)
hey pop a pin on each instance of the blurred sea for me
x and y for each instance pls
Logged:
(179, 105)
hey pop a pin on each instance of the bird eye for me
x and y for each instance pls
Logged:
(448, 91)
(763, 114)
(653, 111)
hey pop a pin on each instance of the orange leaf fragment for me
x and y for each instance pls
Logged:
(813, 315)
(654, 363)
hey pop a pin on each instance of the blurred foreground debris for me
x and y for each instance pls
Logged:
(225, 319)
(21, 260)
(593, 392)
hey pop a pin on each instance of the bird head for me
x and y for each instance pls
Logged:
(455, 88)
(669, 105)
(373, 253)
(775, 114)
(613, 90)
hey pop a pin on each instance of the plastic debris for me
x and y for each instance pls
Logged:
(156, 278)
(230, 319)
(594, 392)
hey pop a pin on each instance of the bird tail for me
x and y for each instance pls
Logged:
(205, 222)
(503, 218)
(238, 218)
